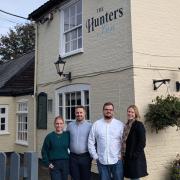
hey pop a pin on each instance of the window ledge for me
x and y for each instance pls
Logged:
(4, 133)
(22, 143)
(72, 53)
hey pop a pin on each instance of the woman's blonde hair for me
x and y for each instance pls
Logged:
(137, 115)
(58, 117)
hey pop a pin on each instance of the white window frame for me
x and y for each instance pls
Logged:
(19, 113)
(68, 89)
(62, 36)
(6, 119)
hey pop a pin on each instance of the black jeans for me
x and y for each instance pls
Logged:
(60, 170)
(80, 166)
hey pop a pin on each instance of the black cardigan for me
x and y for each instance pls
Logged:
(135, 160)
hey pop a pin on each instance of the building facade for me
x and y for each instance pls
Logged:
(114, 50)
(17, 125)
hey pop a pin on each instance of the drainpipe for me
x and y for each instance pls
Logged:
(35, 87)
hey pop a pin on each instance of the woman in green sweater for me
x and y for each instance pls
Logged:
(55, 151)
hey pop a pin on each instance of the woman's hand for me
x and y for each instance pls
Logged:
(51, 166)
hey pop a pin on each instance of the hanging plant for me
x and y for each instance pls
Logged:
(164, 112)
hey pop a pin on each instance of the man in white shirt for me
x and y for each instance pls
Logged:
(104, 144)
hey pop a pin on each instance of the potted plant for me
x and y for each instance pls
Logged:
(164, 112)
(175, 169)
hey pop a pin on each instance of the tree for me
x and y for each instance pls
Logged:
(17, 42)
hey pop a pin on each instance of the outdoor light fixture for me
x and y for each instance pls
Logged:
(162, 81)
(60, 68)
(177, 86)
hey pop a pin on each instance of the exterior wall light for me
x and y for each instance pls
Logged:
(60, 64)
(177, 86)
(160, 82)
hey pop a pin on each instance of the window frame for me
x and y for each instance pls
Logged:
(6, 119)
(21, 114)
(62, 34)
(69, 89)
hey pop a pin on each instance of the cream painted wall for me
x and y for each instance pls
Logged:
(155, 37)
(161, 148)
(102, 89)
(154, 27)
(7, 140)
(96, 59)
(155, 33)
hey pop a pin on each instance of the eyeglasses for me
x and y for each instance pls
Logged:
(108, 109)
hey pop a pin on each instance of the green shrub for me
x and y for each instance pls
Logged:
(175, 169)
(164, 112)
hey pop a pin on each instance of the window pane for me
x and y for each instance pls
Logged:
(79, 32)
(74, 45)
(80, 43)
(66, 19)
(74, 34)
(79, 19)
(67, 47)
(73, 113)
(67, 112)
(3, 111)
(79, 7)
(78, 97)
(86, 97)
(60, 99)
(68, 99)
(2, 126)
(67, 37)
(72, 98)
(2, 120)
(72, 17)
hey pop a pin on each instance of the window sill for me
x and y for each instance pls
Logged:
(4, 133)
(72, 53)
(22, 143)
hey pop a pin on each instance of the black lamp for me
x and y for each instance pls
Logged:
(177, 86)
(60, 68)
(162, 81)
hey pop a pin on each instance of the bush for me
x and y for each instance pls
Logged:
(175, 170)
(164, 112)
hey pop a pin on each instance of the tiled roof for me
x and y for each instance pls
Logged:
(43, 9)
(12, 68)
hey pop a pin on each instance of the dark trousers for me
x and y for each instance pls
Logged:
(80, 166)
(60, 170)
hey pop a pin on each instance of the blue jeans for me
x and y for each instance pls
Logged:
(60, 170)
(111, 172)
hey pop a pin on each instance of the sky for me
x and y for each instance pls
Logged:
(18, 7)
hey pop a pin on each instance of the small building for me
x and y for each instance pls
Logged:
(17, 125)
(113, 51)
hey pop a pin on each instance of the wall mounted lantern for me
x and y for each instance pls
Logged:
(177, 86)
(60, 64)
(160, 82)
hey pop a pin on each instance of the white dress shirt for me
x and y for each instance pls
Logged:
(106, 137)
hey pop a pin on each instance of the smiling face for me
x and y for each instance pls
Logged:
(59, 125)
(80, 114)
(108, 112)
(131, 113)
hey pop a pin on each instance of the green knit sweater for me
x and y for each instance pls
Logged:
(55, 147)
